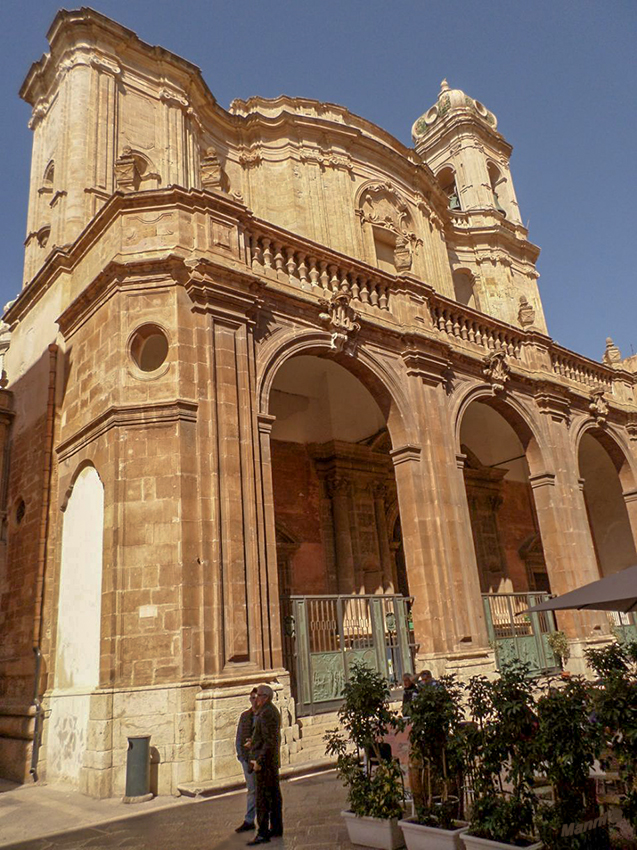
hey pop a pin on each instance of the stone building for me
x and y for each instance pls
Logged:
(279, 393)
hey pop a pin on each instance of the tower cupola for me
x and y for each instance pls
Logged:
(459, 140)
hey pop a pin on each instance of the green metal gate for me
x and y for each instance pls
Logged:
(514, 634)
(623, 625)
(324, 635)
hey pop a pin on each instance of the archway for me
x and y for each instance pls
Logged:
(602, 466)
(337, 529)
(77, 657)
(504, 522)
(333, 479)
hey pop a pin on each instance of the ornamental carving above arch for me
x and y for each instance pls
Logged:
(381, 204)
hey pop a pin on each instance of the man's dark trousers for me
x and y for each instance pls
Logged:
(269, 803)
(265, 751)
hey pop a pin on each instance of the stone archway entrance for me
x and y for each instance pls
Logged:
(338, 530)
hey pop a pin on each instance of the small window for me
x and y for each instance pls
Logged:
(149, 348)
(49, 174)
(43, 236)
(463, 289)
(385, 245)
(20, 511)
(497, 187)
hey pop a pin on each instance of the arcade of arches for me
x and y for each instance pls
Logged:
(337, 507)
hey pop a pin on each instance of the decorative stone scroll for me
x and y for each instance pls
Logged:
(213, 177)
(126, 171)
(496, 370)
(340, 318)
(599, 407)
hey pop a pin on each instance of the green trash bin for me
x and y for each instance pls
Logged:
(138, 770)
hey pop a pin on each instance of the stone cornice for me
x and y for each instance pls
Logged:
(127, 416)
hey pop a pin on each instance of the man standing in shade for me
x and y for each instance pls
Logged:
(242, 743)
(264, 759)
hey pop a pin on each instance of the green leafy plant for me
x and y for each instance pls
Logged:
(615, 710)
(374, 790)
(499, 750)
(559, 646)
(568, 741)
(436, 755)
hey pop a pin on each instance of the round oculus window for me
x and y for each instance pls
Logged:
(149, 348)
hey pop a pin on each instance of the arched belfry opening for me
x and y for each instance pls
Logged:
(606, 480)
(342, 579)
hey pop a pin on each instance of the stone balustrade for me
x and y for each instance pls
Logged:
(459, 323)
(576, 368)
(316, 269)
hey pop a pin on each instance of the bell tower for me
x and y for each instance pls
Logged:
(492, 260)
(459, 140)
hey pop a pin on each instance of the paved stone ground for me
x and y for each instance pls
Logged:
(311, 808)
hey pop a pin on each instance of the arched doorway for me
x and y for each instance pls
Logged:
(494, 444)
(338, 530)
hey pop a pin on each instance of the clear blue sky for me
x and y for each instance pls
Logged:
(560, 76)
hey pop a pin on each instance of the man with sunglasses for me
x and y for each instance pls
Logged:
(243, 740)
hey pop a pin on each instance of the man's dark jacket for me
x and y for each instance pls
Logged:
(244, 731)
(266, 737)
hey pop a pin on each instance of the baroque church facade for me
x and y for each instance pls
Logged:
(278, 393)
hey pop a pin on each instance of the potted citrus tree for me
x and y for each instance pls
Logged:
(374, 783)
(500, 757)
(436, 767)
(569, 739)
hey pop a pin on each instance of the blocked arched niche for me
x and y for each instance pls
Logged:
(79, 608)
(77, 659)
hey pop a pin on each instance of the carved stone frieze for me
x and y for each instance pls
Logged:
(496, 370)
(340, 318)
(599, 407)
